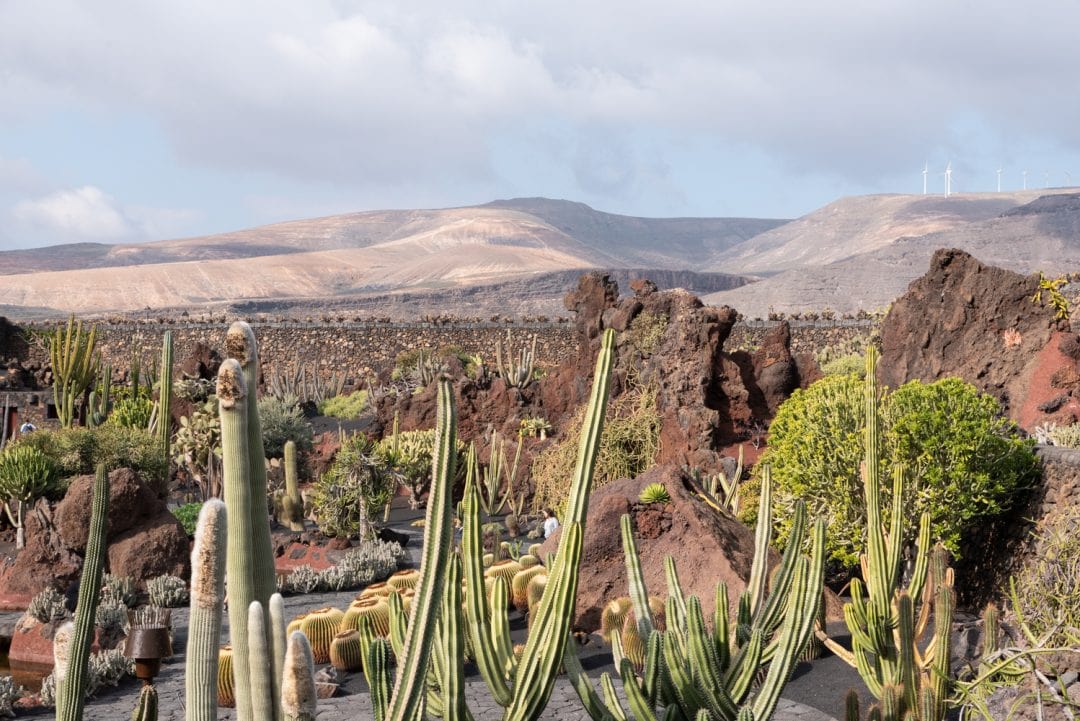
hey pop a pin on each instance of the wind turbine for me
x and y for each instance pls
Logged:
(1024, 174)
(1068, 179)
(999, 178)
(1046, 180)
(925, 171)
(948, 179)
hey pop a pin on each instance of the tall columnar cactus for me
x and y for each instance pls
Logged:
(74, 366)
(240, 345)
(292, 504)
(71, 686)
(532, 678)
(165, 393)
(886, 629)
(207, 600)
(696, 673)
(232, 393)
(406, 700)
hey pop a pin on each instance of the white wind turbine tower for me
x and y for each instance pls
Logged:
(1023, 173)
(1046, 180)
(948, 179)
(999, 178)
(1068, 179)
(925, 172)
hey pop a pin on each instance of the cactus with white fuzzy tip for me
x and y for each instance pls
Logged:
(298, 698)
(241, 346)
(207, 599)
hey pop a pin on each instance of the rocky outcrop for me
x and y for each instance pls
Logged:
(708, 547)
(144, 539)
(966, 319)
(44, 561)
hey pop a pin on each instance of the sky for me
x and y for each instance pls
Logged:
(127, 120)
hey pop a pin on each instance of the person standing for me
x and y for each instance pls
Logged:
(551, 523)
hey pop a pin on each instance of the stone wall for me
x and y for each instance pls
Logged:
(329, 348)
(997, 551)
(356, 346)
(807, 336)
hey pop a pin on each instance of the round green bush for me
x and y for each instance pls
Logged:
(964, 461)
(283, 420)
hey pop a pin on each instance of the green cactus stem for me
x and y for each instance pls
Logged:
(277, 646)
(260, 664)
(232, 393)
(71, 689)
(148, 705)
(240, 345)
(292, 504)
(165, 394)
(407, 698)
(207, 600)
(226, 688)
(74, 367)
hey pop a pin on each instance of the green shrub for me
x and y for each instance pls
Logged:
(345, 407)
(283, 420)
(77, 451)
(964, 461)
(132, 412)
(647, 330)
(852, 364)
(628, 448)
(188, 515)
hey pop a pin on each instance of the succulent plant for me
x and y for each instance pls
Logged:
(320, 626)
(654, 493)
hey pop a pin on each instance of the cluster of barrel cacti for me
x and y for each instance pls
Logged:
(888, 620)
(667, 657)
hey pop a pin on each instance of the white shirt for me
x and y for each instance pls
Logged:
(550, 524)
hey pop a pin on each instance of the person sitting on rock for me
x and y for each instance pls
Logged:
(550, 522)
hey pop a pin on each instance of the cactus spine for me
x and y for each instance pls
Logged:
(74, 367)
(207, 599)
(292, 504)
(71, 688)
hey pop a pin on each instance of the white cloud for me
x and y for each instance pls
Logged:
(90, 214)
(84, 213)
(380, 95)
